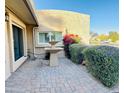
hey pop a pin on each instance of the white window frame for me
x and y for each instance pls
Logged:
(18, 62)
(24, 39)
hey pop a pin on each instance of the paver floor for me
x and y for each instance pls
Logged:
(35, 76)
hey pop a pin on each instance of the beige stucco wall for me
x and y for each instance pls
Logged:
(64, 21)
(7, 57)
(30, 40)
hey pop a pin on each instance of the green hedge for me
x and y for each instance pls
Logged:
(103, 63)
(76, 54)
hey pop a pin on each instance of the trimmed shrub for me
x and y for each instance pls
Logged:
(103, 63)
(76, 54)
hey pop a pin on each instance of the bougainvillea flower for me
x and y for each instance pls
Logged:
(71, 38)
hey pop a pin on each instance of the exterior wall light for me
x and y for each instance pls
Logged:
(6, 17)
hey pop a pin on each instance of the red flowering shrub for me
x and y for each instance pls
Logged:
(70, 39)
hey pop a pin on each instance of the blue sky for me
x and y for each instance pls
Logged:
(104, 13)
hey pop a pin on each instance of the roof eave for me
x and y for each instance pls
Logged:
(32, 10)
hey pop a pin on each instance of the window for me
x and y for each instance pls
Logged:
(45, 37)
(18, 42)
(57, 36)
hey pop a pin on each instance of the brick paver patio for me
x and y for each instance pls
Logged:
(34, 77)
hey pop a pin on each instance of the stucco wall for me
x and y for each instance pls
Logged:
(30, 40)
(7, 57)
(64, 21)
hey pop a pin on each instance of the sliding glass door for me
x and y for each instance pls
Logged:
(18, 42)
